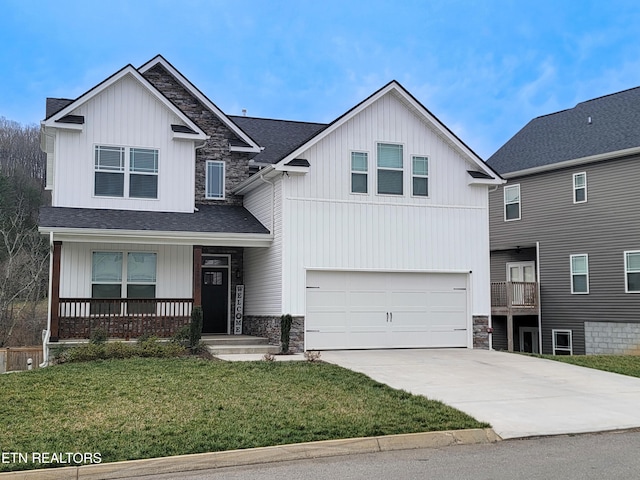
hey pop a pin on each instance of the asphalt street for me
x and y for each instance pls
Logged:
(600, 456)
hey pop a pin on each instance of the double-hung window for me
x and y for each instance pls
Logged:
(579, 273)
(116, 177)
(512, 202)
(116, 275)
(359, 172)
(420, 175)
(632, 271)
(390, 174)
(579, 187)
(214, 180)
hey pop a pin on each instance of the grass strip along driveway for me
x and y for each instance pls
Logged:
(622, 364)
(146, 407)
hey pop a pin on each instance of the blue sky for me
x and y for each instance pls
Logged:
(485, 68)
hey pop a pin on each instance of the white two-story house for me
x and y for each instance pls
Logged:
(371, 231)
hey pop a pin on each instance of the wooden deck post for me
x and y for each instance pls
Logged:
(197, 276)
(55, 293)
(509, 317)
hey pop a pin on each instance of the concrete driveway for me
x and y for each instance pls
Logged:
(519, 396)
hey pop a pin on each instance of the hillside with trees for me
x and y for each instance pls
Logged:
(24, 253)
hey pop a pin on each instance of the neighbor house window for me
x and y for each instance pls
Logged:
(390, 175)
(562, 342)
(114, 177)
(359, 172)
(579, 273)
(215, 180)
(579, 187)
(632, 272)
(116, 275)
(512, 202)
(420, 175)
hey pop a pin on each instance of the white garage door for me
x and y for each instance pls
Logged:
(385, 310)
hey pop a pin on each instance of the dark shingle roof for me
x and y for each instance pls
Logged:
(566, 135)
(54, 105)
(208, 219)
(278, 137)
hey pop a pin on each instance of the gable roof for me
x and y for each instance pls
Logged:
(129, 70)
(492, 177)
(277, 137)
(604, 127)
(248, 145)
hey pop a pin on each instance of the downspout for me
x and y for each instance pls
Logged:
(46, 334)
(539, 297)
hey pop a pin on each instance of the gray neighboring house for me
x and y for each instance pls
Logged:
(565, 231)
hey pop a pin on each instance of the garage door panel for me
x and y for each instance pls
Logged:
(385, 310)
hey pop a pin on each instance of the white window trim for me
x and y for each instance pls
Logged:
(357, 172)
(402, 169)
(575, 175)
(123, 282)
(504, 201)
(626, 272)
(586, 256)
(413, 175)
(126, 171)
(562, 349)
(224, 179)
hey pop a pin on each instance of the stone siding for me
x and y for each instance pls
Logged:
(216, 148)
(269, 327)
(480, 332)
(610, 338)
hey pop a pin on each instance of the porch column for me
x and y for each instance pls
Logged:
(509, 317)
(55, 292)
(197, 275)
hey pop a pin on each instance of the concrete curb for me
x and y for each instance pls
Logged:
(278, 453)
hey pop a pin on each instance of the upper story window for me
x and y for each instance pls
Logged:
(632, 272)
(420, 175)
(512, 202)
(390, 174)
(579, 273)
(579, 187)
(114, 177)
(214, 180)
(359, 172)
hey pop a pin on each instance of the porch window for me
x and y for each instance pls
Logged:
(112, 276)
(390, 175)
(632, 272)
(214, 180)
(579, 273)
(562, 342)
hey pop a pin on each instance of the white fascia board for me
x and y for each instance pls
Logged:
(160, 237)
(486, 181)
(236, 148)
(191, 88)
(292, 169)
(116, 77)
(573, 162)
(255, 180)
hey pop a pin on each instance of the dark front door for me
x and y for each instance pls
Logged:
(215, 300)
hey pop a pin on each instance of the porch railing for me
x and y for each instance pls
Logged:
(514, 295)
(121, 317)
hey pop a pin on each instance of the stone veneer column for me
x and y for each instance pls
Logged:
(481, 332)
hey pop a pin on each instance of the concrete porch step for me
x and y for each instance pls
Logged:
(218, 340)
(242, 349)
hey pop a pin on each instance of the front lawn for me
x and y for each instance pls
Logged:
(147, 407)
(623, 364)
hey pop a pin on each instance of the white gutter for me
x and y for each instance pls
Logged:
(46, 334)
(572, 163)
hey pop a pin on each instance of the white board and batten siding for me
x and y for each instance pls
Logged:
(327, 228)
(263, 266)
(174, 274)
(126, 115)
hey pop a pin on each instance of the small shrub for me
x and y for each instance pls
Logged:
(312, 356)
(83, 353)
(98, 336)
(195, 331)
(285, 332)
(153, 348)
(119, 350)
(181, 337)
(143, 338)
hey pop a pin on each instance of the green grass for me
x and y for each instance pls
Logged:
(623, 364)
(147, 407)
